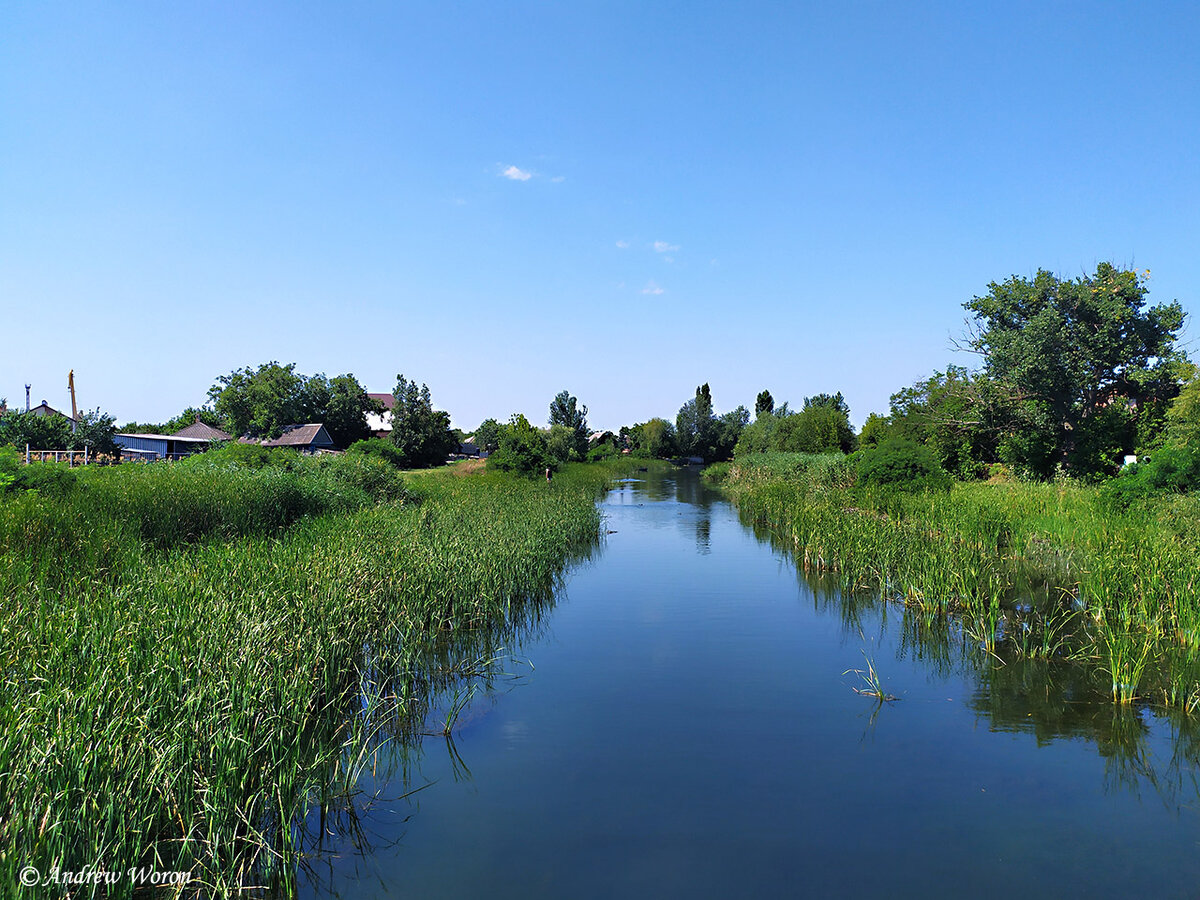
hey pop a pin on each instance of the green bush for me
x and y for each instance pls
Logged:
(601, 451)
(900, 464)
(522, 449)
(49, 479)
(379, 449)
(1168, 471)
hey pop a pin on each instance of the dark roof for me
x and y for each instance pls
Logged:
(204, 432)
(310, 435)
(388, 401)
(45, 409)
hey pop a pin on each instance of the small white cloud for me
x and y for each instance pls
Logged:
(623, 245)
(559, 179)
(652, 288)
(515, 174)
(664, 247)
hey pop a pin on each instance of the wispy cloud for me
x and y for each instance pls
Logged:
(652, 288)
(664, 247)
(623, 245)
(515, 174)
(559, 179)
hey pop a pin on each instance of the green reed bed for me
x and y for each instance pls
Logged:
(1044, 570)
(182, 703)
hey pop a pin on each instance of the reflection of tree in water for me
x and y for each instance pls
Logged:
(704, 533)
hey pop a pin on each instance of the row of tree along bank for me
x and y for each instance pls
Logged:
(1075, 376)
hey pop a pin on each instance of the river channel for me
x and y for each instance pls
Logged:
(685, 723)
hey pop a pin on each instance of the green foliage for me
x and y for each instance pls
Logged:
(695, 424)
(95, 430)
(420, 432)
(341, 404)
(1061, 351)
(654, 438)
(955, 414)
(566, 411)
(602, 451)
(1183, 416)
(698, 432)
(821, 427)
(522, 449)
(262, 402)
(875, 429)
(1167, 471)
(562, 444)
(189, 416)
(39, 432)
(487, 435)
(236, 455)
(900, 464)
(829, 401)
(379, 448)
(763, 403)
(198, 700)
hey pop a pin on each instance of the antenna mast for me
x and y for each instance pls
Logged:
(74, 411)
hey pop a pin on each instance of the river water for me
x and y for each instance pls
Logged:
(687, 725)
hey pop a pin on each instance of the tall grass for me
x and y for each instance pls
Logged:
(193, 657)
(1032, 569)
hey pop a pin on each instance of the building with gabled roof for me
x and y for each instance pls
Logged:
(309, 438)
(202, 431)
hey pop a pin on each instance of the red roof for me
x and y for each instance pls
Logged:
(387, 400)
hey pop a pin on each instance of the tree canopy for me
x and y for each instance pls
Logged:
(566, 411)
(262, 402)
(1078, 361)
(420, 432)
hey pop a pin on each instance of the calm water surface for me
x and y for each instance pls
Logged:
(689, 729)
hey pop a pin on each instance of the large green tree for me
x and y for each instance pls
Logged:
(487, 435)
(419, 431)
(566, 411)
(262, 402)
(654, 438)
(695, 424)
(1077, 359)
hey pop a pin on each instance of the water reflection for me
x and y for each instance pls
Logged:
(652, 743)
(1049, 699)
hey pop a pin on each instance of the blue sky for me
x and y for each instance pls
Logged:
(620, 199)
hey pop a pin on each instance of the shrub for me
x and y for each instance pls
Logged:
(601, 451)
(900, 464)
(1168, 471)
(379, 449)
(50, 479)
(522, 449)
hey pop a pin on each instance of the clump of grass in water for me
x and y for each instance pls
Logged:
(872, 686)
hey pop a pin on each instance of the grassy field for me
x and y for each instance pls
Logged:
(195, 655)
(1035, 570)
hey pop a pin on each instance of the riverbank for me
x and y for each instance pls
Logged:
(1031, 570)
(193, 656)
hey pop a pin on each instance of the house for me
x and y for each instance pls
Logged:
(381, 423)
(310, 438)
(159, 446)
(47, 410)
